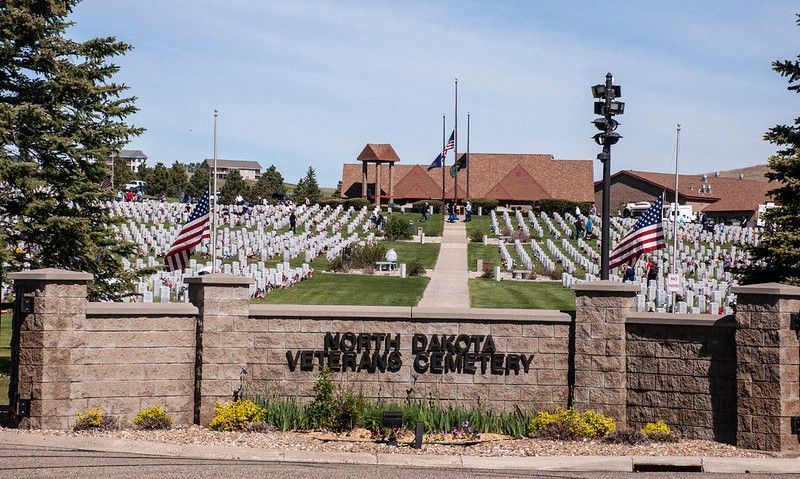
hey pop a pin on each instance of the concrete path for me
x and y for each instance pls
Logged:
(449, 287)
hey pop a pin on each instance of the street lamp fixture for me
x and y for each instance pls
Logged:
(607, 93)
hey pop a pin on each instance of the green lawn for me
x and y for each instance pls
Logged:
(489, 254)
(5, 355)
(406, 251)
(362, 290)
(433, 227)
(486, 293)
(480, 223)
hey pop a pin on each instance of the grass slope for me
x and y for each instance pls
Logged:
(486, 293)
(361, 290)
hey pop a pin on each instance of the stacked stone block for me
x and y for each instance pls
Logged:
(684, 373)
(600, 368)
(768, 366)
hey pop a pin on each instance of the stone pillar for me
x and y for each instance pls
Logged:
(378, 184)
(223, 303)
(767, 366)
(364, 179)
(391, 182)
(600, 355)
(49, 305)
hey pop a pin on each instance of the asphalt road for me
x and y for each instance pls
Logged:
(20, 462)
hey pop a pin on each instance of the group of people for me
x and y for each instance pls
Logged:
(452, 215)
(651, 271)
(130, 196)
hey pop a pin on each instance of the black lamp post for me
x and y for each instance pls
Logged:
(607, 125)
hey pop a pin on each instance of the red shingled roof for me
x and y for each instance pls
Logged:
(727, 194)
(507, 177)
(378, 152)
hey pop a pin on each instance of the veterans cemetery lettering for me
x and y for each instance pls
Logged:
(432, 353)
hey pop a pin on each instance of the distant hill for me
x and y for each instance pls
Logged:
(325, 190)
(750, 172)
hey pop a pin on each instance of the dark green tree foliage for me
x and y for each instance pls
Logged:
(122, 173)
(275, 180)
(198, 183)
(777, 257)
(178, 179)
(234, 185)
(158, 180)
(61, 117)
(307, 187)
(338, 191)
(270, 183)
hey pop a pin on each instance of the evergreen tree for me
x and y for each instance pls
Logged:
(275, 180)
(198, 184)
(777, 257)
(307, 187)
(234, 185)
(61, 116)
(338, 191)
(159, 180)
(178, 180)
(122, 173)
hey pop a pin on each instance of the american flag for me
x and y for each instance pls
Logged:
(195, 230)
(451, 143)
(647, 235)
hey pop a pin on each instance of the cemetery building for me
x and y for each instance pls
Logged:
(716, 196)
(133, 158)
(510, 178)
(250, 170)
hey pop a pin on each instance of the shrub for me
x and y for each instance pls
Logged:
(415, 268)
(658, 431)
(476, 236)
(94, 418)
(397, 228)
(155, 417)
(236, 416)
(437, 205)
(488, 271)
(369, 254)
(356, 203)
(556, 273)
(485, 203)
(632, 437)
(321, 412)
(349, 411)
(563, 206)
(569, 424)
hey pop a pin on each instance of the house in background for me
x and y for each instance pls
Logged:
(133, 158)
(717, 196)
(250, 170)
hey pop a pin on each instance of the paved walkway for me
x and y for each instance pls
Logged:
(449, 287)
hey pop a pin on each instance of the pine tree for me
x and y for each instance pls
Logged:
(234, 185)
(178, 180)
(159, 180)
(198, 183)
(275, 180)
(61, 116)
(338, 191)
(777, 257)
(307, 187)
(122, 173)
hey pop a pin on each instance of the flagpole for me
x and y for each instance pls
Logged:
(443, 157)
(455, 150)
(467, 161)
(675, 207)
(214, 193)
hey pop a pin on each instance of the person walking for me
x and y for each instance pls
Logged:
(292, 222)
(468, 210)
(425, 209)
(630, 274)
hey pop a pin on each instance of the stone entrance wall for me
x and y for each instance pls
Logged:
(733, 380)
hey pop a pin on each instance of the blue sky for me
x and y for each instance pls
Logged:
(308, 83)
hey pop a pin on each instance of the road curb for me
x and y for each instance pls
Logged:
(555, 463)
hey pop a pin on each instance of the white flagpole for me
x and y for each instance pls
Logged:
(214, 214)
(675, 205)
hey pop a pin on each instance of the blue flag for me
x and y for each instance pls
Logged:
(437, 163)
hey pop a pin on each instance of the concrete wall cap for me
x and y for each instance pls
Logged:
(328, 311)
(492, 314)
(606, 285)
(772, 289)
(219, 279)
(141, 309)
(51, 274)
(674, 319)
